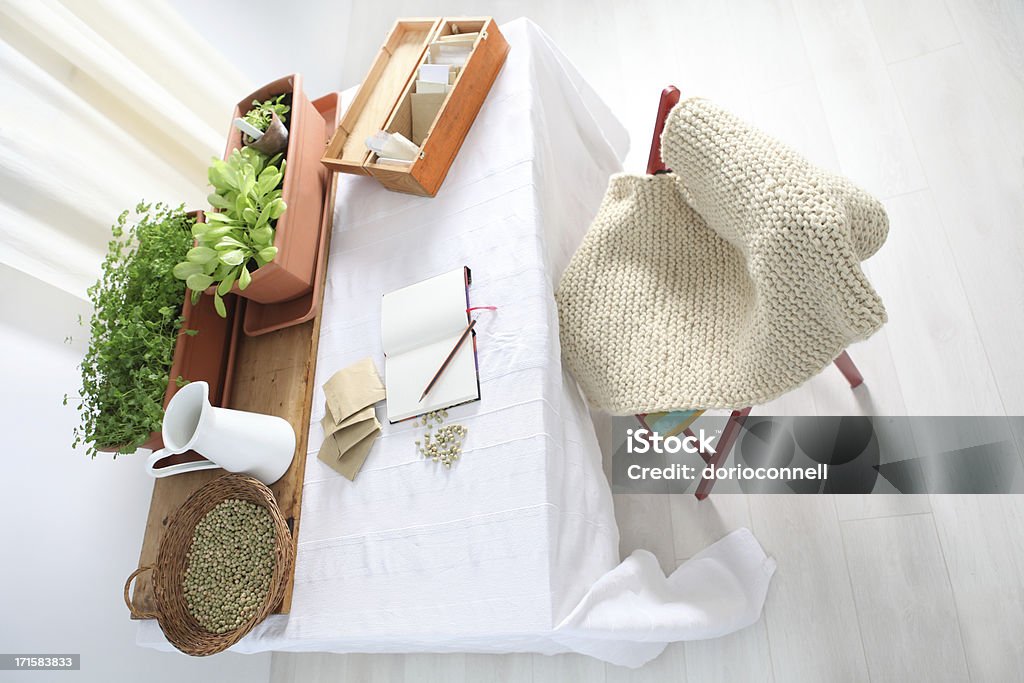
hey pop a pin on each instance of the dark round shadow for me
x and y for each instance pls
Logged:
(858, 475)
(766, 443)
(833, 440)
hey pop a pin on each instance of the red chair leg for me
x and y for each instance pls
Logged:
(849, 370)
(725, 444)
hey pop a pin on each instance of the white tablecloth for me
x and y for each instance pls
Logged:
(515, 549)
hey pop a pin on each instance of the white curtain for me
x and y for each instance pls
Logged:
(102, 103)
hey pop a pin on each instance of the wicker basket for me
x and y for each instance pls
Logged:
(177, 623)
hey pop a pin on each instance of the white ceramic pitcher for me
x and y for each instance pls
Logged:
(261, 446)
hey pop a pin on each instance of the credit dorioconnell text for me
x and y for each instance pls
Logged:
(738, 472)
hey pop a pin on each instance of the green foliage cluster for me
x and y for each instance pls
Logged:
(137, 300)
(240, 236)
(261, 113)
(135, 322)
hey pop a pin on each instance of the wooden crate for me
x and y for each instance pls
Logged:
(384, 103)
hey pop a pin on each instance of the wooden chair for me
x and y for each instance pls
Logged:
(655, 165)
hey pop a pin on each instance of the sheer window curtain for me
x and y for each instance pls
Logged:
(101, 104)
(104, 103)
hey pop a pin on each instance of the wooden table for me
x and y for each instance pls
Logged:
(273, 374)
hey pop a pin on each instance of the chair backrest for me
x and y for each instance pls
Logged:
(758, 193)
(669, 99)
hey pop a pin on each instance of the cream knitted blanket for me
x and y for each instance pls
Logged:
(724, 284)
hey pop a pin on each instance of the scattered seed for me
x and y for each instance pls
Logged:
(444, 444)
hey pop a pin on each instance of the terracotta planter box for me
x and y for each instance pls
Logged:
(290, 274)
(208, 355)
(154, 442)
(261, 318)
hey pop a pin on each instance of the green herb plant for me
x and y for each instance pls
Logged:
(261, 113)
(239, 237)
(133, 328)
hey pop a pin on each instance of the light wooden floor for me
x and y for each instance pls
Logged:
(921, 102)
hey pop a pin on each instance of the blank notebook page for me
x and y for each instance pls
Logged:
(420, 325)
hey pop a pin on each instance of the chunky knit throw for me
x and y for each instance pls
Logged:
(723, 284)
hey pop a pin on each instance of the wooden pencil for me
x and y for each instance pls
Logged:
(451, 354)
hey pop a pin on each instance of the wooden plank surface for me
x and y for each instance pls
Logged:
(274, 375)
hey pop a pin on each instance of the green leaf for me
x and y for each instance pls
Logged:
(216, 217)
(215, 176)
(270, 173)
(201, 254)
(244, 278)
(270, 178)
(198, 282)
(264, 216)
(263, 236)
(277, 207)
(217, 201)
(268, 254)
(222, 176)
(183, 270)
(230, 175)
(233, 257)
(225, 286)
(218, 303)
(214, 234)
(230, 242)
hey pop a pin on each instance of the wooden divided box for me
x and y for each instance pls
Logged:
(384, 102)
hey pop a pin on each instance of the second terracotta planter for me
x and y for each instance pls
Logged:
(208, 356)
(290, 274)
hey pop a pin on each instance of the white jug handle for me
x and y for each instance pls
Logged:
(159, 473)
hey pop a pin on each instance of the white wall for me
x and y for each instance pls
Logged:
(266, 39)
(71, 527)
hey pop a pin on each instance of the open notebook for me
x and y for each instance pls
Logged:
(419, 326)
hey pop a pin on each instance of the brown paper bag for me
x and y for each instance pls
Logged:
(352, 389)
(346, 449)
(352, 461)
(330, 427)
